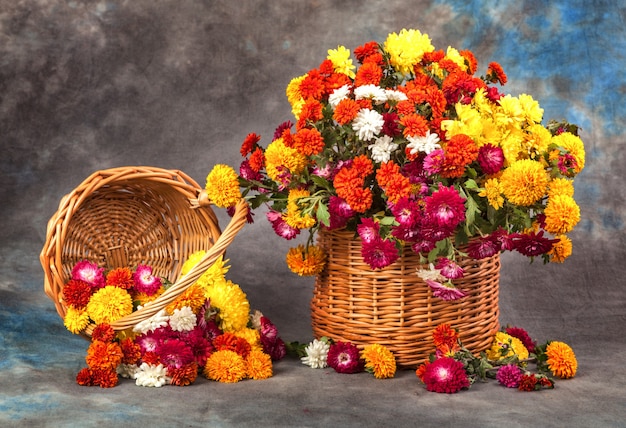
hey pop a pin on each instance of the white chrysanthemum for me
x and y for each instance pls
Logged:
(426, 144)
(149, 375)
(316, 354)
(368, 123)
(431, 274)
(338, 95)
(157, 320)
(183, 319)
(255, 319)
(382, 148)
(371, 92)
(395, 96)
(127, 371)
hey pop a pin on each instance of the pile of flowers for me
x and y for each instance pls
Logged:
(207, 330)
(411, 150)
(453, 368)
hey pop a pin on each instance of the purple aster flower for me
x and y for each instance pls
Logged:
(509, 376)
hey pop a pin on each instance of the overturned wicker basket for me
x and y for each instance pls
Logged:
(123, 217)
(394, 307)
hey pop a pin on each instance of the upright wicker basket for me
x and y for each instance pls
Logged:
(126, 216)
(394, 307)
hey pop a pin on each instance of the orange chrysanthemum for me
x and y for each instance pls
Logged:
(259, 365)
(225, 366)
(349, 184)
(460, 151)
(561, 360)
(103, 355)
(306, 261)
(308, 141)
(561, 250)
(495, 73)
(444, 335)
(368, 74)
(414, 125)
(257, 160)
(193, 297)
(312, 86)
(405, 108)
(336, 81)
(229, 341)
(346, 111)
(311, 112)
(394, 184)
(185, 375)
(470, 60)
(76, 293)
(121, 278)
(366, 50)
(249, 143)
(131, 351)
(104, 378)
(380, 361)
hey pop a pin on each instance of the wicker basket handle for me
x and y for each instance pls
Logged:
(236, 223)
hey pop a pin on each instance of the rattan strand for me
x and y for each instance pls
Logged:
(394, 307)
(123, 217)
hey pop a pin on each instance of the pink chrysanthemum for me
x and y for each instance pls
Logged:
(433, 162)
(406, 212)
(344, 357)
(379, 253)
(340, 212)
(150, 341)
(509, 376)
(446, 207)
(445, 291)
(175, 353)
(523, 336)
(280, 226)
(90, 273)
(490, 158)
(368, 230)
(144, 281)
(449, 268)
(445, 375)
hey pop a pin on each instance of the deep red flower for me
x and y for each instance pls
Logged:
(483, 247)
(533, 244)
(344, 357)
(379, 253)
(445, 375)
(103, 332)
(185, 375)
(445, 207)
(490, 158)
(77, 293)
(528, 382)
(175, 353)
(522, 335)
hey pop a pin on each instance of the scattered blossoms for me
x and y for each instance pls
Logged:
(413, 150)
(453, 368)
(207, 330)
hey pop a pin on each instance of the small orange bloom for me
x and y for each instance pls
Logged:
(414, 125)
(312, 86)
(249, 143)
(346, 111)
(257, 160)
(495, 73)
(393, 183)
(120, 277)
(460, 151)
(308, 141)
(368, 74)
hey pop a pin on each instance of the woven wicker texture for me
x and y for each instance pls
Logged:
(394, 307)
(126, 216)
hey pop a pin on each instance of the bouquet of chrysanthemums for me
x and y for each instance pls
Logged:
(208, 329)
(411, 149)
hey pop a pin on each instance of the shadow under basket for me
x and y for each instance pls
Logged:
(127, 216)
(394, 307)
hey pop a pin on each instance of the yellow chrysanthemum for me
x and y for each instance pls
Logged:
(306, 262)
(222, 186)
(225, 366)
(294, 96)
(560, 186)
(512, 144)
(468, 122)
(524, 182)
(510, 114)
(574, 146)
(259, 365)
(453, 55)
(537, 140)
(293, 217)
(505, 345)
(76, 320)
(192, 297)
(232, 304)
(342, 63)
(561, 250)
(380, 361)
(493, 193)
(278, 157)
(252, 336)
(192, 260)
(562, 214)
(407, 49)
(215, 273)
(109, 304)
(561, 360)
(533, 113)
(143, 298)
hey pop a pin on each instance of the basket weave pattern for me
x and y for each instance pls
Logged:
(394, 307)
(126, 216)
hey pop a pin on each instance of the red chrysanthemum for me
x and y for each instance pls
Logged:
(103, 332)
(130, 350)
(185, 375)
(470, 60)
(336, 81)
(76, 293)
(490, 158)
(344, 357)
(346, 111)
(311, 112)
(249, 143)
(445, 375)
(522, 335)
(366, 50)
(83, 377)
(175, 353)
(104, 378)
(528, 382)
(257, 160)
(121, 278)
(495, 73)
(312, 86)
(481, 248)
(379, 253)
(445, 207)
(533, 244)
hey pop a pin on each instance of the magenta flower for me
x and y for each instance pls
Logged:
(144, 281)
(449, 268)
(446, 291)
(174, 353)
(445, 375)
(246, 172)
(482, 248)
(344, 357)
(434, 161)
(340, 212)
(368, 230)
(278, 132)
(379, 253)
(446, 207)
(490, 158)
(406, 212)
(391, 126)
(509, 376)
(280, 226)
(90, 273)
(200, 346)
(533, 244)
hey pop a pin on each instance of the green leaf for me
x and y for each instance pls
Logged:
(322, 214)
